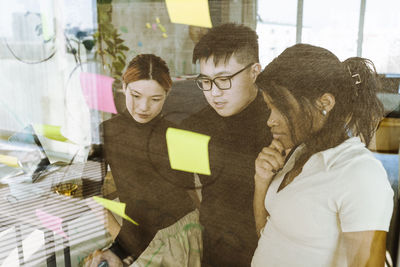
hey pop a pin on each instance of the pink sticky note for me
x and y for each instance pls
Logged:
(97, 90)
(51, 222)
(154, 26)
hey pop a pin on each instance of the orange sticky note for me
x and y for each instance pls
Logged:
(97, 90)
(114, 206)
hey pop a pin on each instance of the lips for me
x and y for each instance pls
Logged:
(143, 116)
(219, 104)
(277, 135)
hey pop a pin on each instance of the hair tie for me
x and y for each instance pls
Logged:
(355, 76)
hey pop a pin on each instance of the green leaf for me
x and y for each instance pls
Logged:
(109, 43)
(108, 29)
(123, 47)
(122, 60)
(121, 54)
(109, 51)
(117, 65)
(118, 41)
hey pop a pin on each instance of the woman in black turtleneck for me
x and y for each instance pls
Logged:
(135, 148)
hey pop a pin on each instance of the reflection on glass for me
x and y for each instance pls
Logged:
(332, 25)
(382, 35)
(276, 27)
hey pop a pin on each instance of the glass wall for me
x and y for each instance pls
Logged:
(61, 66)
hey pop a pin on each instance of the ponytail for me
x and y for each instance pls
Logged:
(367, 110)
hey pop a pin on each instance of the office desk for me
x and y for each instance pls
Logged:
(43, 228)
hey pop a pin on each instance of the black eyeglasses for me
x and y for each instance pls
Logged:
(222, 82)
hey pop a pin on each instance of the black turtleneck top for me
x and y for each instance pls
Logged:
(226, 210)
(155, 195)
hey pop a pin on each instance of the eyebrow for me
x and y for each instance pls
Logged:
(218, 74)
(141, 94)
(134, 91)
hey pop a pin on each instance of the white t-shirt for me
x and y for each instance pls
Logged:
(342, 189)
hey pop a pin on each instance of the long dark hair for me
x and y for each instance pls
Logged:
(305, 72)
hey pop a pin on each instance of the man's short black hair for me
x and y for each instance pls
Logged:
(226, 40)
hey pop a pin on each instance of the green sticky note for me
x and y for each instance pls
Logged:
(50, 131)
(188, 151)
(123, 29)
(191, 12)
(114, 206)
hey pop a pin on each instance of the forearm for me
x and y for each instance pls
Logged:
(260, 213)
(270, 160)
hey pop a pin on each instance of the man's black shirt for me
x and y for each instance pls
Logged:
(226, 210)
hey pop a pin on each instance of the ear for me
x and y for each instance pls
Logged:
(255, 70)
(326, 102)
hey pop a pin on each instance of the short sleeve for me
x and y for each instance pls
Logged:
(366, 198)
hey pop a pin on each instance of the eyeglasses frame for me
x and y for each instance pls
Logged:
(229, 77)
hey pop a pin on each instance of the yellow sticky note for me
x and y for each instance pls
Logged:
(9, 161)
(50, 131)
(188, 151)
(157, 19)
(114, 206)
(148, 25)
(191, 12)
(164, 35)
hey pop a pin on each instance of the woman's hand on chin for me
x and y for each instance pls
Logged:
(269, 161)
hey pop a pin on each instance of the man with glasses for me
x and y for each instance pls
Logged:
(236, 120)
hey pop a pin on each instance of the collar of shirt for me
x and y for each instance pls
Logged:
(328, 158)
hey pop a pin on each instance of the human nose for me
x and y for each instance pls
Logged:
(215, 91)
(143, 105)
(272, 120)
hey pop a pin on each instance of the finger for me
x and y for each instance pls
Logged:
(264, 169)
(272, 161)
(88, 260)
(96, 258)
(272, 154)
(112, 259)
(270, 151)
(277, 145)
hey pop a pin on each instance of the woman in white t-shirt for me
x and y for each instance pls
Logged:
(321, 198)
